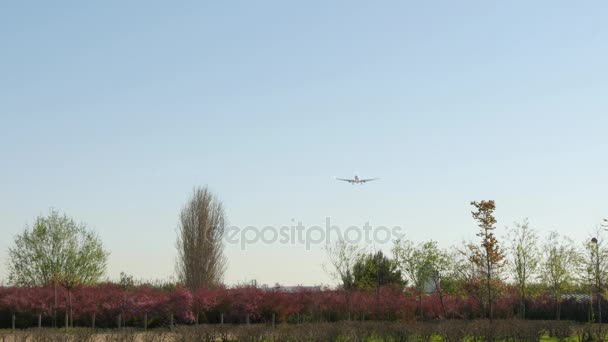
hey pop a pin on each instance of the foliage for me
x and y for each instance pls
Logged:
(558, 265)
(56, 249)
(488, 256)
(425, 266)
(375, 270)
(524, 257)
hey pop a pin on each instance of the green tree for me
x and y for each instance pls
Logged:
(559, 260)
(442, 265)
(488, 255)
(374, 270)
(56, 250)
(524, 256)
(424, 266)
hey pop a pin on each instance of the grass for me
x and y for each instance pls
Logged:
(314, 332)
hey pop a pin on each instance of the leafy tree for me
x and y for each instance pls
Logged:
(525, 256)
(57, 250)
(56, 247)
(442, 265)
(488, 255)
(375, 270)
(559, 260)
(424, 265)
(201, 260)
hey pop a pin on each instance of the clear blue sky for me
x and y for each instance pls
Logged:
(112, 111)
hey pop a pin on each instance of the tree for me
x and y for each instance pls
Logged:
(201, 261)
(441, 265)
(57, 250)
(468, 274)
(593, 266)
(488, 255)
(375, 270)
(524, 255)
(559, 259)
(423, 265)
(342, 257)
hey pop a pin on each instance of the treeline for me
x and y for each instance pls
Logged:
(553, 270)
(56, 265)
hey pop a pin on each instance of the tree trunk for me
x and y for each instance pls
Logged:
(221, 318)
(441, 301)
(71, 318)
(67, 320)
(14, 318)
(522, 307)
(273, 320)
(347, 299)
(489, 287)
(146, 321)
(599, 314)
(55, 305)
(93, 321)
(420, 305)
(171, 325)
(39, 321)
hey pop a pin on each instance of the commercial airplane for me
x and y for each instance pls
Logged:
(356, 180)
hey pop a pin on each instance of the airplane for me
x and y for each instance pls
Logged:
(356, 180)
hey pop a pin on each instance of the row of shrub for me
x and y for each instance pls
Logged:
(447, 331)
(104, 303)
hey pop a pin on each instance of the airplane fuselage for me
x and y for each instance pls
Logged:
(356, 180)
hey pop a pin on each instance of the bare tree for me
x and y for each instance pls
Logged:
(593, 268)
(469, 274)
(343, 256)
(201, 261)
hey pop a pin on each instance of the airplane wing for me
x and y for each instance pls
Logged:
(345, 180)
(367, 180)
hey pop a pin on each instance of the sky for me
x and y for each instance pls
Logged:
(113, 111)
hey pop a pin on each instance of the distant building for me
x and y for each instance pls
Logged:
(292, 289)
(429, 286)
